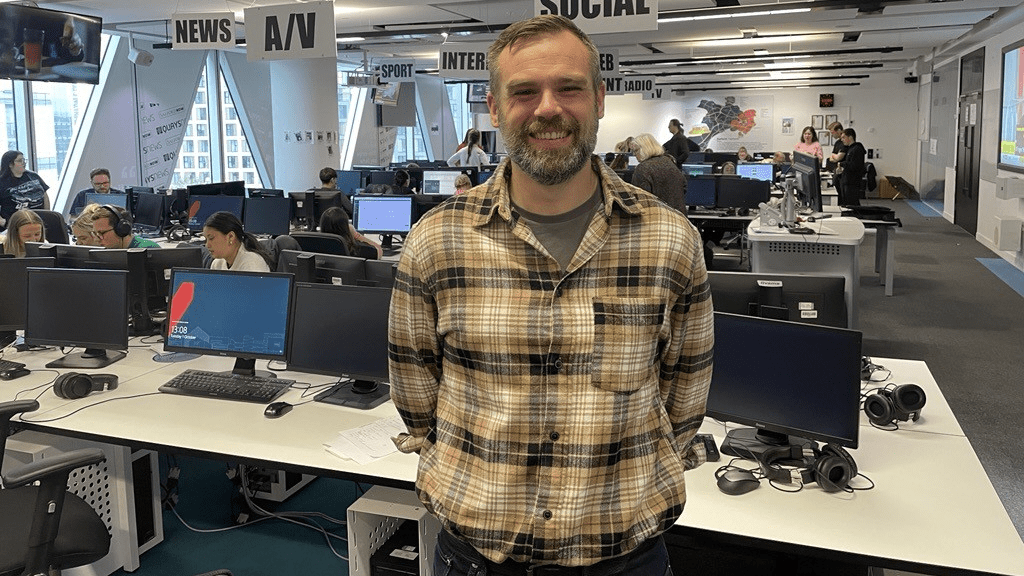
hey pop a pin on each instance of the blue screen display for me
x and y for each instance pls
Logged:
(756, 171)
(202, 207)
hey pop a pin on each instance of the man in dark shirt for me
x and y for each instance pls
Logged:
(838, 152)
(852, 170)
(100, 180)
(678, 146)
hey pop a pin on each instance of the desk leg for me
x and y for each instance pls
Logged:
(890, 257)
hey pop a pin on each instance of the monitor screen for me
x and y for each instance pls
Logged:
(95, 319)
(266, 193)
(322, 343)
(742, 192)
(476, 93)
(381, 177)
(756, 171)
(206, 315)
(13, 278)
(382, 214)
(233, 188)
(101, 198)
(53, 46)
(697, 169)
(439, 182)
(267, 215)
(695, 158)
(380, 273)
(717, 157)
(324, 268)
(795, 297)
(787, 380)
(701, 191)
(807, 170)
(202, 207)
(151, 211)
(66, 255)
(350, 181)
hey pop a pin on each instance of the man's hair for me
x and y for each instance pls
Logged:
(851, 133)
(328, 174)
(532, 28)
(97, 171)
(645, 146)
(835, 126)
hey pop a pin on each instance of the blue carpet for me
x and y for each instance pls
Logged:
(1006, 272)
(927, 208)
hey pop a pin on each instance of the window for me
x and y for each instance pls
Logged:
(409, 145)
(190, 145)
(195, 169)
(246, 161)
(233, 162)
(7, 114)
(204, 146)
(203, 162)
(201, 113)
(232, 145)
(230, 130)
(188, 162)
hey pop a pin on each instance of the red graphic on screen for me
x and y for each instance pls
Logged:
(180, 302)
(194, 209)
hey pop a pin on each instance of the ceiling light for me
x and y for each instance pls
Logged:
(786, 39)
(669, 19)
(760, 51)
(350, 39)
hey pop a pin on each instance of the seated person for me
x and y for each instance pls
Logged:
(335, 221)
(81, 227)
(728, 168)
(329, 181)
(402, 182)
(100, 179)
(231, 247)
(743, 155)
(112, 226)
(462, 184)
(23, 226)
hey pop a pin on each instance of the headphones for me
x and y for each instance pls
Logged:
(889, 405)
(832, 467)
(74, 385)
(122, 227)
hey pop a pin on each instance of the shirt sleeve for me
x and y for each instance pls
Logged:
(455, 158)
(414, 352)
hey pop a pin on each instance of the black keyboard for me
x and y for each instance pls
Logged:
(227, 386)
(9, 365)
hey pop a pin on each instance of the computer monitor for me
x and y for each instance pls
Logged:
(133, 196)
(700, 191)
(324, 199)
(764, 172)
(380, 273)
(101, 198)
(483, 176)
(696, 169)
(140, 285)
(160, 262)
(439, 182)
(323, 268)
(349, 181)
(266, 193)
(65, 255)
(151, 211)
(742, 192)
(233, 188)
(202, 207)
(717, 158)
(795, 297)
(381, 177)
(695, 158)
(267, 215)
(322, 342)
(96, 318)
(207, 316)
(793, 383)
(13, 279)
(382, 214)
(807, 170)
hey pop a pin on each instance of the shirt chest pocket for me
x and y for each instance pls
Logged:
(626, 342)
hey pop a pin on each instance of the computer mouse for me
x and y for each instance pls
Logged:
(14, 373)
(277, 409)
(735, 481)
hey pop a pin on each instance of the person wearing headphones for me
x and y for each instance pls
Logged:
(23, 226)
(112, 226)
(232, 247)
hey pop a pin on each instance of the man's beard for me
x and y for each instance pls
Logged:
(550, 167)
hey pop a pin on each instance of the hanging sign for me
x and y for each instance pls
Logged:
(467, 61)
(597, 16)
(397, 70)
(290, 32)
(203, 31)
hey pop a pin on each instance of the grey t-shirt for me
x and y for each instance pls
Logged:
(561, 234)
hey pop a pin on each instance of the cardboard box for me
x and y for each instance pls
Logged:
(885, 189)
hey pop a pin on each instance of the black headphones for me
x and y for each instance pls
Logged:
(832, 467)
(122, 227)
(74, 385)
(893, 404)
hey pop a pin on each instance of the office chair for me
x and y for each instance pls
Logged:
(45, 527)
(321, 242)
(55, 226)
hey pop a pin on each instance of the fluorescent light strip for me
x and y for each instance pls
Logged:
(669, 19)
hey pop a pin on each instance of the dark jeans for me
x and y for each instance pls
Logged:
(454, 557)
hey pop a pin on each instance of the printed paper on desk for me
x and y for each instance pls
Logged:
(367, 443)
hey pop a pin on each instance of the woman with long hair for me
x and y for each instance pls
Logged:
(24, 226)
(809, 144)
(472, 154)
(20, 188)
(232, 247)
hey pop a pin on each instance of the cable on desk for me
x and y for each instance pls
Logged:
(80, 408)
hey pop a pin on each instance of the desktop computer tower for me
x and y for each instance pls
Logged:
(128, 503)
(275, 485)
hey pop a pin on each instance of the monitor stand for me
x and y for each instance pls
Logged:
(7, 337)
(247, 367)
(361, 394)
(91, 358)
(751, 443)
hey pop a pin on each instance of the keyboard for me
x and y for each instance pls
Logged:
(9, 365)
(227, 386)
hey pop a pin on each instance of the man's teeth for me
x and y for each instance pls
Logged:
(552, 135)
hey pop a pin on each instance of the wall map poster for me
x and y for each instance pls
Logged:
(728, 122)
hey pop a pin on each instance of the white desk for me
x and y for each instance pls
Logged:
(933, 510)
(833, 248)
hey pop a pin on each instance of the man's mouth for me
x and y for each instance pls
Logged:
(551, 135)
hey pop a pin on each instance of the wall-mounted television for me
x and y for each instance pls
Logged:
(1011, 120)
(49, 46)
(476, 93)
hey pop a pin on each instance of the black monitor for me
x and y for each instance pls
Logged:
(202, 207)
(96, 318)
(321, 342)
(696, 169)
(717, 158)
(207, 316)
(270, 215)
(65, 255)
(795, 297)
(160, 262)
(233, 188)
(349, 181)
(382, 214)
(140, 285)
(266, 193)
(439, 182)
(133, 194)
(793, 383)
(151, 211)
(101, 198)
(807, 170)
(324, 199)
(695, 158)
(764, 172)
(13, 278)
(742, 192)
(700, 191)
(380, 273)
(324, 268)
(381, 177)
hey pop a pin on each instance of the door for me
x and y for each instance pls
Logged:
(968, 157)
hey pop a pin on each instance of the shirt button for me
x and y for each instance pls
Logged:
(547, 514)
(555, 436)
(558, 365)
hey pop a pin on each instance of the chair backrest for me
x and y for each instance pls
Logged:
(55, 226)
(366, 251)
(321, 242)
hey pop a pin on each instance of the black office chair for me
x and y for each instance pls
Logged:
(321, 242)
(45, 527)
(55, 226)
